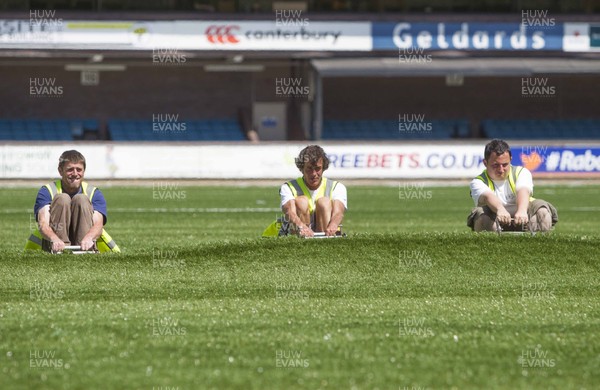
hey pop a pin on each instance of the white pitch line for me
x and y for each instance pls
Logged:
(197, 210)
(585, 209)
(17, 211)
(167, 210)
(218, 210)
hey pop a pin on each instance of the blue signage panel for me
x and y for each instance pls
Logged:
(466, 36)
(595, 36)
(550, 159)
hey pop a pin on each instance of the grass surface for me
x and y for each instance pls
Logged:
(411, 299)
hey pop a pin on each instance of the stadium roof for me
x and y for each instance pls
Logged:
(393, 67)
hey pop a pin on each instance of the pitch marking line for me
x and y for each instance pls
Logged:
(174, 210)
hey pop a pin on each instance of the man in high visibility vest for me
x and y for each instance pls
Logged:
(312, 203)
(503, 194)
(69, 211)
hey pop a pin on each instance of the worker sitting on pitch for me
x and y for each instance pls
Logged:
(312, 203)
(70, 211)
(503, 196)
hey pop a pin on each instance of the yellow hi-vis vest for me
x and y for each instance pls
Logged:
(299, 188)
(104, 243)
(513, 175)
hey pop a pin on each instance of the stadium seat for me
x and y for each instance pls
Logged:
(335, 129)
(44, 129)
(5, 130)
(542, 129)
(462, 129)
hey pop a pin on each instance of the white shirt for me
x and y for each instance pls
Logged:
(502, 188)
(338, 193)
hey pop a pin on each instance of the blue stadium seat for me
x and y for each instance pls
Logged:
(37, 129)
(542, 129)
(334, 129)
(462, 129)
(5, 130)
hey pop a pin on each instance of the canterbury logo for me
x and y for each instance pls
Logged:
(221, 34)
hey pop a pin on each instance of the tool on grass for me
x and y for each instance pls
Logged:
(76, 250)
(323, 235)
(518, 229)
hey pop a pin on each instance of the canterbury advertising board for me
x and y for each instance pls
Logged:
(186, 35)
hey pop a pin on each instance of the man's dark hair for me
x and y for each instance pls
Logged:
(311, 154)
(496, 146)
(70, 156)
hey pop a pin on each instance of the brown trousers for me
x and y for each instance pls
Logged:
(70, 218)
(535, 224)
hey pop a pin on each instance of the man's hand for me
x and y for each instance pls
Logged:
(337, 215)
(88, 241)
(503, 216)
(521, 218)
(490, 199)
(58, 246)
(331, 229)
(305, 231)
(87, 244)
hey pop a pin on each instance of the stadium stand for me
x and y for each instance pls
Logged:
(542, 129)
(230, 130)
(46, 129)
(186, 130)
(394, 130)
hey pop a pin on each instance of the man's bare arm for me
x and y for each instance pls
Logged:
(521, 216)
(490, 199)
(289, 209)
(46, 231)
(95, 232)
(337, 215)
